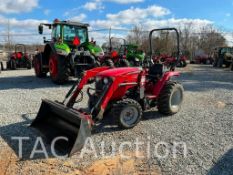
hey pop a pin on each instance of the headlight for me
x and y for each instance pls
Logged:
(105, 80)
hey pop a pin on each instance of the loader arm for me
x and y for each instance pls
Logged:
(87, 75)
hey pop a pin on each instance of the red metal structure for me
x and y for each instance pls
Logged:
(167, 60)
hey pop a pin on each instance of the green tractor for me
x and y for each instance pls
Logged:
(131, 52)
(68, 53)
(223, 56)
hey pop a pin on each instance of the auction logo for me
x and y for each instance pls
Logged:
(148, 148)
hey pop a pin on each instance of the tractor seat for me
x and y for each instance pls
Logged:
(155, 71)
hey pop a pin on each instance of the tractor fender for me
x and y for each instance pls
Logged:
(160, 84)
(40, 57)
(43, 61)
(49, 48)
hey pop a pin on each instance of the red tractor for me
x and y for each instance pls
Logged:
(113, 58)
(19, 59)
(202, 59)
(168, 60)
(120, 93)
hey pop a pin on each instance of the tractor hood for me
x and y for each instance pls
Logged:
(140, 56)
(93, 48)
(118, 71)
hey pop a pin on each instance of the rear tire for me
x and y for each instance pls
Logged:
(128, 113)
(97, 64)
(58, 68)
(170, 98)
(124, 63)
(38, 67)
(228, 64)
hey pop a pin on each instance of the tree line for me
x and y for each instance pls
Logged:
(205, 38)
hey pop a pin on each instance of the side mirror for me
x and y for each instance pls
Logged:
(40, 29)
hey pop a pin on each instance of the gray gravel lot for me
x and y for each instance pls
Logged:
(205, 123)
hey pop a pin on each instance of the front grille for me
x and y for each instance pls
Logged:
(83, 60)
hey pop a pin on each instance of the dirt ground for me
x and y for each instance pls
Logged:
(10, 164)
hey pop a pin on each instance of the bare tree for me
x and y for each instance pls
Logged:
(206, 39)
(136, 35)
(210, 38)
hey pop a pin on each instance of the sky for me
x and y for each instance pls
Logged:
(23, 16)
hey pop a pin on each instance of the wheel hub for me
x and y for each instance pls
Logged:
(176, 99)
(129, 115)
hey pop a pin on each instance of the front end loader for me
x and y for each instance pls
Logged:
(68, 53)
(121, 93)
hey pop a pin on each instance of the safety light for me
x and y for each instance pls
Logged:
(76, 41)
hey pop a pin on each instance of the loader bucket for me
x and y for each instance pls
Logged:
(54, 121)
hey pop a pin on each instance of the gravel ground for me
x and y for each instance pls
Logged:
(205, 125)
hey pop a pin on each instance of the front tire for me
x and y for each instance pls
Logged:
(58, 68)
(124, 63)
(170, 98)
(128, 113)
(2, 67)
(108, 62)
(29, 64)
(220, 62)
(11, 64)
(184, 63)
